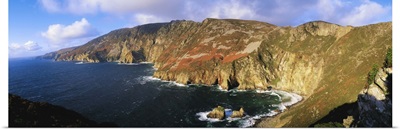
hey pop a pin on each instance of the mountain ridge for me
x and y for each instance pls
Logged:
(307, 59)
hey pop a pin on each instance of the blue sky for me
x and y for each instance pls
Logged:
(40, 26)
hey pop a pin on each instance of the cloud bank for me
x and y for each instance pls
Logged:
(28, 46)
(287, 12)
(58, 33)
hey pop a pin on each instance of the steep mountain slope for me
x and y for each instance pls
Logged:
(348, 61)
(324, 62)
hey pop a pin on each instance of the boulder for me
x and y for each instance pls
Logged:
(348, 121)
(238, 114)
(218, 112)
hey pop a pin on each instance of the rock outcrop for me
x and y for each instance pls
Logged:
(238, 114)
(316, 59)
(218, 112)
(375, 102)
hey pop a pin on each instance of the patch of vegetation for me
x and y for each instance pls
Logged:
(275, 81)
(329, 124)
(388, 58)
(372, 73)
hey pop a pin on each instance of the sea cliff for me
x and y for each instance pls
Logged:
(324, 62)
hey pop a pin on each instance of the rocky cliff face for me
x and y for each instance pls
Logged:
(314, 59)
(375, 101)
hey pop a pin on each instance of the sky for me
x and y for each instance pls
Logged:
(36, 27)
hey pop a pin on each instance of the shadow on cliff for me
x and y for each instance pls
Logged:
(367, 111)
(340, 113)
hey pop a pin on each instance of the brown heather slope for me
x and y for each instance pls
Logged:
(324, 62)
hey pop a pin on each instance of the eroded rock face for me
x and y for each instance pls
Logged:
(218, 112)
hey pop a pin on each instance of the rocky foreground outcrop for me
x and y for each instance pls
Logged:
(25, 113)
(324, 62)
(375, 102)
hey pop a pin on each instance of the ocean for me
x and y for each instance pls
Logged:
(128, 95)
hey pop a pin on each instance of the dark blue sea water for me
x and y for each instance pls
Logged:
(128, 96)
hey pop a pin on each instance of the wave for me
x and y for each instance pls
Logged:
(203, 117)
(128, 64)
(246, 121)
(81, 62)
(251, 121)
(221, 89)
(286, 98)
(173, 83)
(140, 63)
(289, 99)
(145, 79)
(145, 63)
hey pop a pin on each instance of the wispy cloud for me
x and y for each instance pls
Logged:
(58, 33)
(365, 13)
(287, 12)
(28, 46)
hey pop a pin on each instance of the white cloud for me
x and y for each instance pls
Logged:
(28, 46)
(328, 8)
(15, 46)
(232, 9)
(58, 33)
(365, 13)
(144, 18)
(287, 12)
(51, 5)
(32, 46)
(109, 6)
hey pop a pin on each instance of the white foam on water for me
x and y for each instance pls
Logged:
(263, 91)
(241, 91)
(128, 64)
(203, 117)
(289, 99)
(145, 63)
(286, 98)
(221, 89)
(144, 79)
(151, 78)
(173, 83)
(249, 122)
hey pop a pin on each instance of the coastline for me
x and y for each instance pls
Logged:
(265, 122)
(288, 99)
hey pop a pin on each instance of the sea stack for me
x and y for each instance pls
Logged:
(218, 112)
(238, 114)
